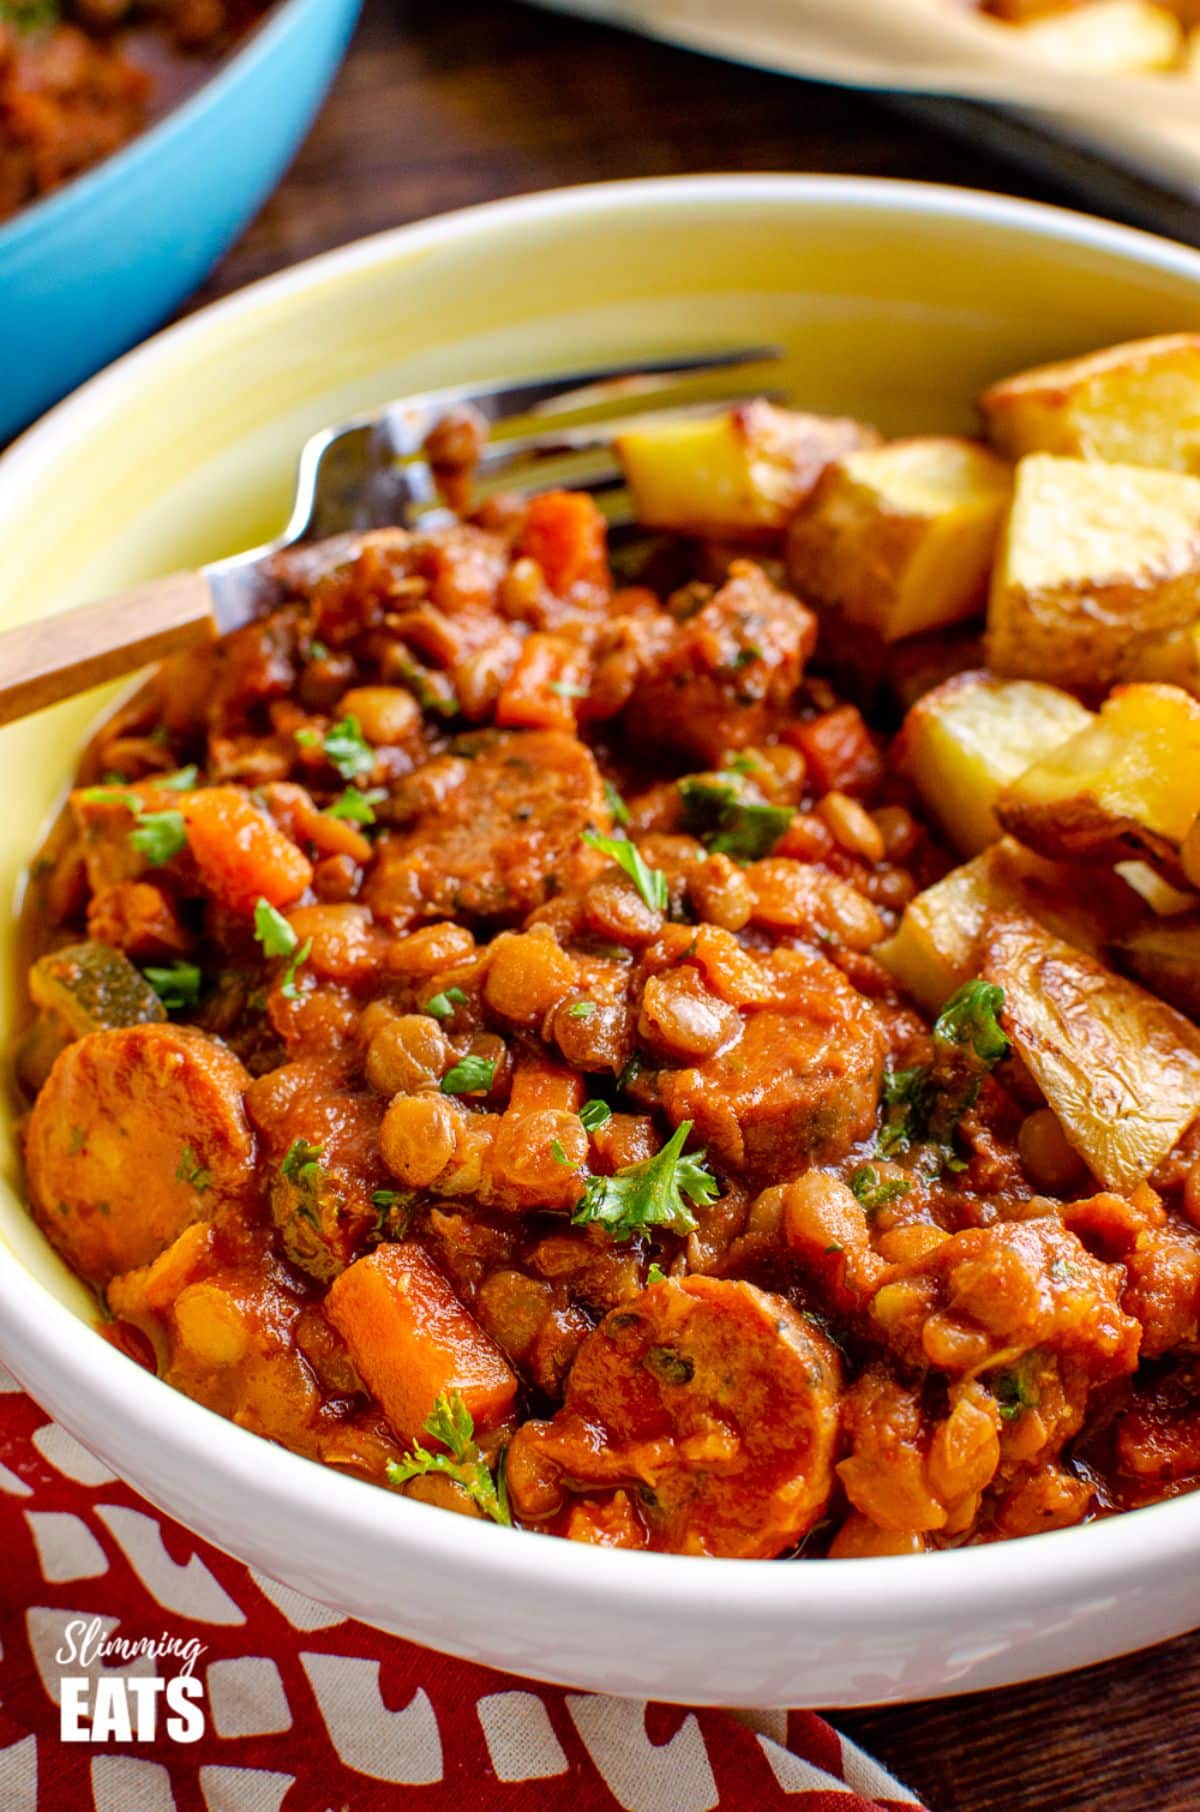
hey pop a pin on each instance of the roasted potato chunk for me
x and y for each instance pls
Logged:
(966, 740)
(1096, 560)
(1165, 954)
(743, 473)
(1137, 404)
(901, 538)
(1119, 1068)
(1111, 37)
(1128, 785)
(936, 948)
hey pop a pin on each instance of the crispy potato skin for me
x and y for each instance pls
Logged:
(1096, 561)
(1127, 786)
(1120, 1068)
(1135, 404)
(962, 743)
(936, 947)
(716, 1398)
(107, 1138)
(900, 539)
(743, 473)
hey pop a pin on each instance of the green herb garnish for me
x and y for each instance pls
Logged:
(278, 939)
(177, 985)
(1014, 1391)
(651, 883)
(655, 1274)
(729, 824)
(923, 1105)
(29, 15)
(452, 1423)
(874, 1191)
(190, 1170)
(441, 1006)
(181, 781)
(651, 1193)
(344, 747)
(158, 836)
(356, 807)
(594, 1113)
(616, 805)
(272, 930)
(471, 1075)
(302, 1166)
(583, 1009)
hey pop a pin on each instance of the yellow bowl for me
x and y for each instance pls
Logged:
(897, 303)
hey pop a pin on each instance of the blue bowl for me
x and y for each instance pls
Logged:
(87, 272)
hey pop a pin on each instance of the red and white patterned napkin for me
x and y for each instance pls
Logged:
(304, 1711)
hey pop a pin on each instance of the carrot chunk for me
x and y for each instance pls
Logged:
(412, 1340)
(242, 855)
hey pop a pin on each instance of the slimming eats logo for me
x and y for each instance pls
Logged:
(127, 1708)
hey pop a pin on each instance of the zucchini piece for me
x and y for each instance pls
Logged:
(92, 988)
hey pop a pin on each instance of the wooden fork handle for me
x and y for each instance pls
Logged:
(59, 656)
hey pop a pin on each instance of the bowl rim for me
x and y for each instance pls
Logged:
(239, 63)
(1088, 1560)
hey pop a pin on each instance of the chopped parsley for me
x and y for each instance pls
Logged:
(874, 1191)
(288, 987)
(471, 1075)
(317, 651)
(344, 747)
(923, 1105)
(29, 15)
(302, 1168)
(728, 823)
(568, 689)
(594, 1113)
(583, 1009)
(177, 985)
(655, 1274)
(278, 939)
(420, 682)
(653, 1193)
(181, 781)
(452, 1423)
(616, 805)
(272, 930)
(190, 1170)
(441, 1006)
(970, 1020)
(651, 883)
(356, 807)
(558, 1154)
(1014, 1391)
(384, 1198)
(158, 836)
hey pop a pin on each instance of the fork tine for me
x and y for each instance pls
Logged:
(408, 421)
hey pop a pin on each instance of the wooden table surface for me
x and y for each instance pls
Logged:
(441, 106)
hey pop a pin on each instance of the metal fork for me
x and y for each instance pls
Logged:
(371, 472)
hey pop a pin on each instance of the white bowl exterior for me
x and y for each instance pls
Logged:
(897, 302)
